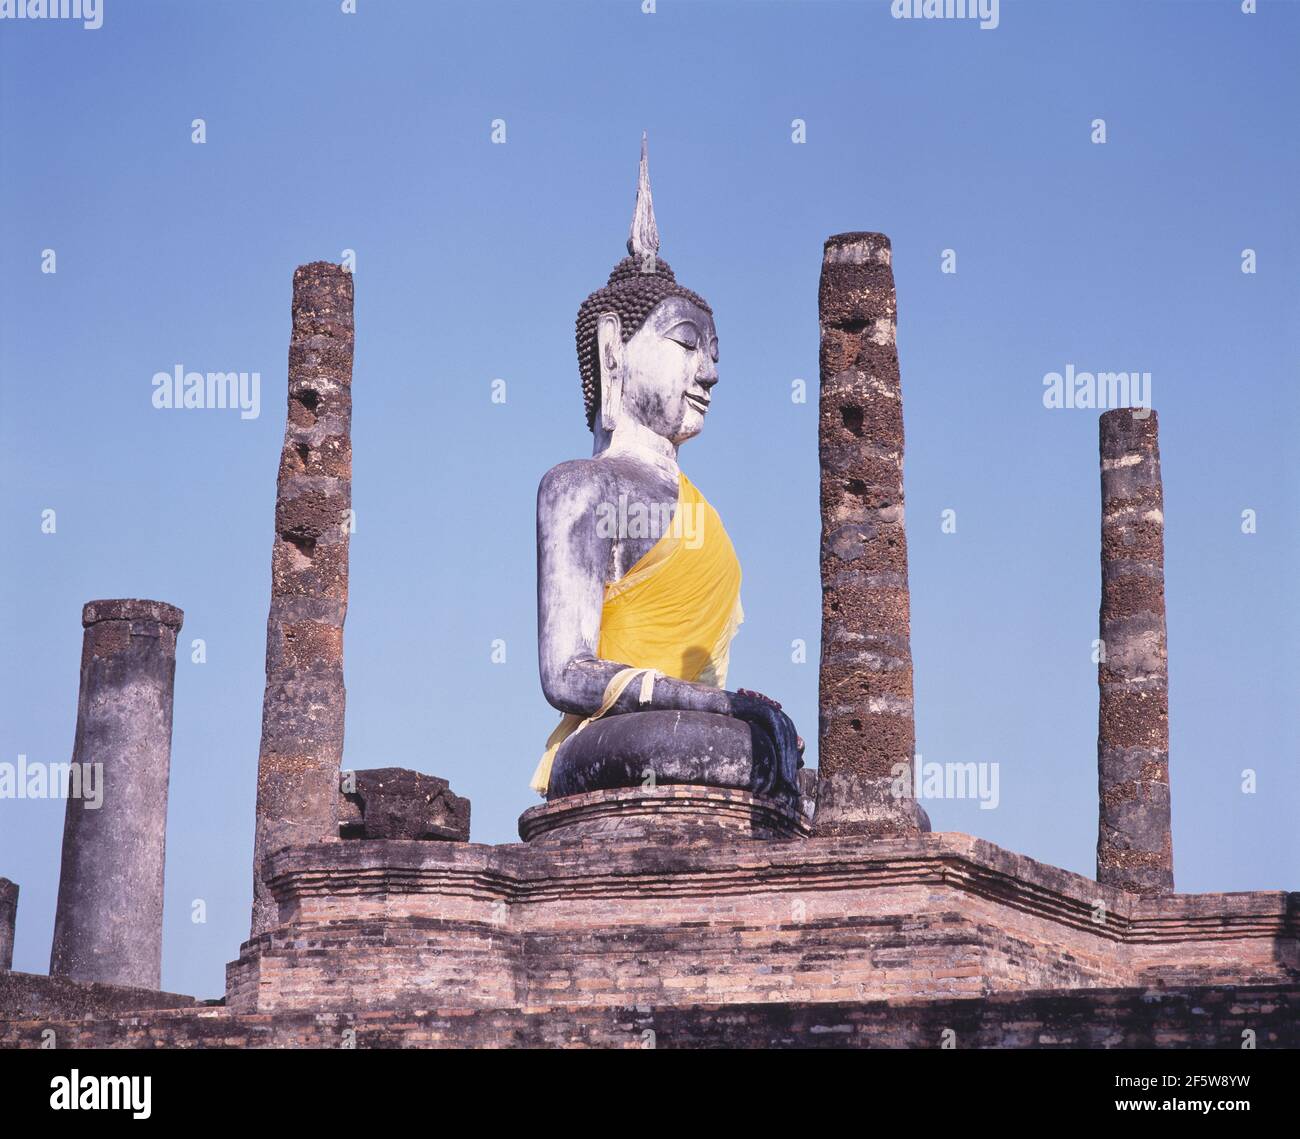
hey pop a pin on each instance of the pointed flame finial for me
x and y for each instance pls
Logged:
(643, 237)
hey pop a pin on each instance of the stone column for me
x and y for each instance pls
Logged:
(302, 711)
(8, 918)
(866, 730)
(108, 921)
(1134, 846)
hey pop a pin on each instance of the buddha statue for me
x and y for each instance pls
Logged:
(638, 582)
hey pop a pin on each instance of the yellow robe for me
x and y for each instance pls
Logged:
(673, 614)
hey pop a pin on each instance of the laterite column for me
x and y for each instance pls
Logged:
(866, 730)
(1134, 843)
(302, 710)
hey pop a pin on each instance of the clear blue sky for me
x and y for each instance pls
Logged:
(371, 131)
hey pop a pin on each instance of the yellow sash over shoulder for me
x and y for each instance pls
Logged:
(673, 614)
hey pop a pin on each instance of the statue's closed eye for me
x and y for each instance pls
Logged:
(685, 334)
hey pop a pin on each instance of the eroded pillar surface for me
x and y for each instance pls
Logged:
(866, 729)
(108, 921)
(1134, 843)
(302, 711)
(8, 919)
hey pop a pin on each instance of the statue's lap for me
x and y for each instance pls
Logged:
(668, 747)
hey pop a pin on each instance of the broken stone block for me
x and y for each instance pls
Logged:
(393, 802)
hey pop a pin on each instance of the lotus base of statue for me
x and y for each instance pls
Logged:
(649, 749)
(666, 776)
(672, 815)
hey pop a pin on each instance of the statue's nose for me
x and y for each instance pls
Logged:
(708, 376)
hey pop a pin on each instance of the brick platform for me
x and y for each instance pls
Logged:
(26, 996)
(846, 942)
(368, 925)
(1099, 1018)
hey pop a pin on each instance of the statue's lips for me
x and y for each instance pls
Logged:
(698, 402)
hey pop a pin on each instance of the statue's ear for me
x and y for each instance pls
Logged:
(609, 347)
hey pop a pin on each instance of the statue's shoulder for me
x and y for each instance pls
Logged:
(576, 484)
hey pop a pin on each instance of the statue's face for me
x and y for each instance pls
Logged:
(671, 365)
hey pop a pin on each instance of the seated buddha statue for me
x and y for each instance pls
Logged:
(638, 582)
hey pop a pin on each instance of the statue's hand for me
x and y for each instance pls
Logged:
(765, 713)
(798, 740)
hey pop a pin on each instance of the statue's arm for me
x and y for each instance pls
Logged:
(573, 560)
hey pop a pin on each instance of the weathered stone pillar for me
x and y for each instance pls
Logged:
(8, 918)
(108, 922)
(302, 711)
(866, 730)
(1134, 846)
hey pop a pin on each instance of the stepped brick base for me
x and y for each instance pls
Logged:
(1097, 1018)
(403, 924)
(697, 941)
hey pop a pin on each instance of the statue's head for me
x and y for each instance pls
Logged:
(647, 348)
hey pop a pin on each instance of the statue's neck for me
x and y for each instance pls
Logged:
(636, 441)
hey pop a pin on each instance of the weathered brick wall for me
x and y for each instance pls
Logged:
(357, 964)
(25, 995)
(844, 940)
(367, 925)
(891, 942)
(1112, 1018)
